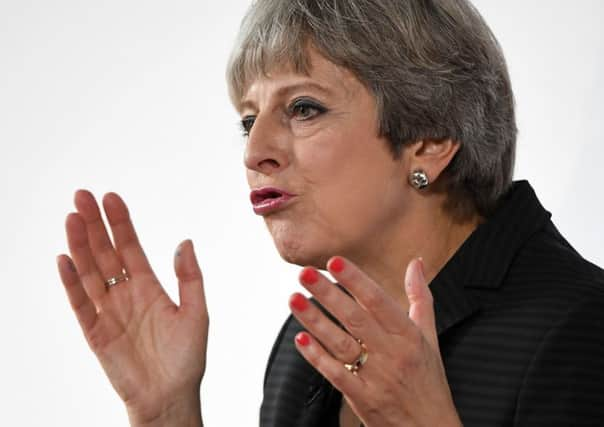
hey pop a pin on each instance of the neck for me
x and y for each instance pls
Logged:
(433, 237)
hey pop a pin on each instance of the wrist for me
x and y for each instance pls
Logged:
(184, 411)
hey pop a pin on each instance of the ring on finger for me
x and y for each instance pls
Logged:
(360, 360)
(112, 281)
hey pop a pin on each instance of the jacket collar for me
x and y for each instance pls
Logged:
(484, 258)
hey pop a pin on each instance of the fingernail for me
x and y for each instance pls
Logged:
(298, 302)
(179, 248)
(413, 274)
(71, 266)
(303, 339)
(309, 276)
(420, 270)
(336, 265)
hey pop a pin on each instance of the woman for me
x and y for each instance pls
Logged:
(380, 147)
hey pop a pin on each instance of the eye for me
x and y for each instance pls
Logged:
(305, 109)
(246, 124)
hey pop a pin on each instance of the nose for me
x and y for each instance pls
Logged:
(266, 148)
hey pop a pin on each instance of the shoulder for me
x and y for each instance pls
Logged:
(535, 347)
(558, 297)
(564, 381)
(548, 251)
(548, 274)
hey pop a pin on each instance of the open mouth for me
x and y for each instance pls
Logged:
(269, 199)
(260, 196)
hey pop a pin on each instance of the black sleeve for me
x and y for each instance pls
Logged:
(564, 383)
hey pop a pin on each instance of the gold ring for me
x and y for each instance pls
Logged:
(112, 281)
(359, 361)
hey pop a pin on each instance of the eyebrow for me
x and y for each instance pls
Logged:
(288, 89)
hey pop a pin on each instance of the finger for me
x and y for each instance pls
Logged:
(125, 238)
(333, 370)
(345, 309)
(81, 304)
(336, 341)
(190, 279)
(77, 240)
(384, 309)
(421, 305)
(101, 246)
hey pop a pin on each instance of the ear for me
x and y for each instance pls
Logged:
(432, 156)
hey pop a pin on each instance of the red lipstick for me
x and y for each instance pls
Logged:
(266, 200)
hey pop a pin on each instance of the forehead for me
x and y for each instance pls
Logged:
(323, 76)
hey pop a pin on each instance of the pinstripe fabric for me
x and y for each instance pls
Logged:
(520, 317)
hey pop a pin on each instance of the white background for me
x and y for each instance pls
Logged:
(129, 96)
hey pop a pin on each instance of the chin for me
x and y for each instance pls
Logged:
(295, 253)
(298, 248)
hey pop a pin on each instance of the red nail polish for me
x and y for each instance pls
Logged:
(298, 302)
(303, 339)
(309, 276)
(336, 265)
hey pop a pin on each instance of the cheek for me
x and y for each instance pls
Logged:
(356, 200)
(344, 211)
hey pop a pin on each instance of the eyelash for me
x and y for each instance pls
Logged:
(246, 125)
(248, 121)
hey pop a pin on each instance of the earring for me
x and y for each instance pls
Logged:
(419, 179)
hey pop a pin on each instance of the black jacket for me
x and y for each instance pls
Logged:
(520, 317)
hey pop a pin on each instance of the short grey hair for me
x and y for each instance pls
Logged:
(434, 67)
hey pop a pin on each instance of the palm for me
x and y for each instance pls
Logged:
(149, 347)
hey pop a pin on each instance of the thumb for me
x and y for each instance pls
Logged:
(421, 305)
(190, 280)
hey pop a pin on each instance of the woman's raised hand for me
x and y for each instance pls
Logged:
(396, 376)
(152, 350)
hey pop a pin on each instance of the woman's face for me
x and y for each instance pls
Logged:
(316, 138)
